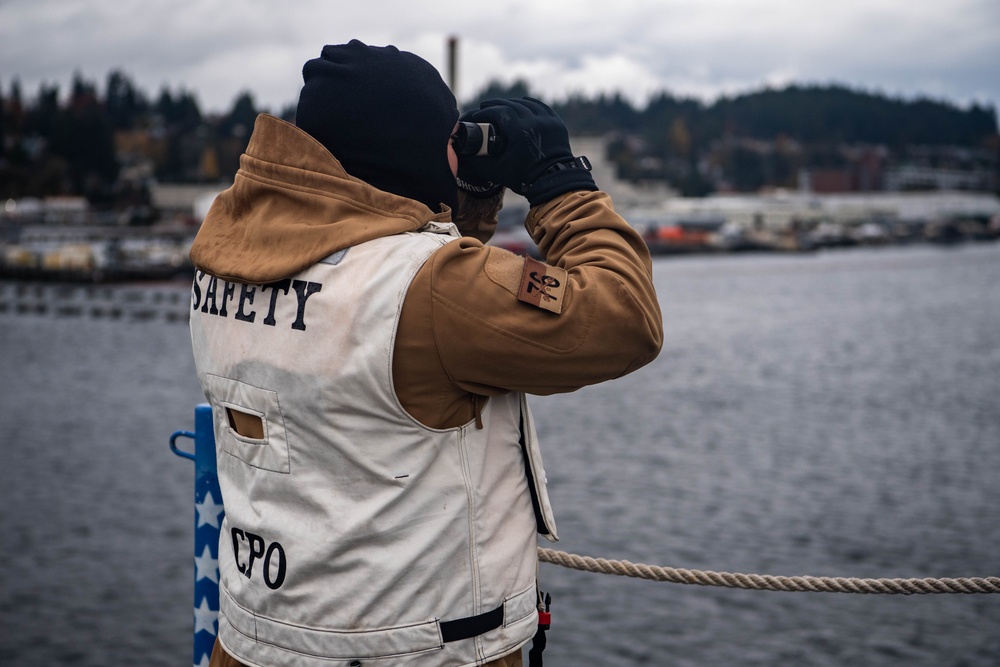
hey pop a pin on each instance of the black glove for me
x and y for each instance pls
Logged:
(535, 160)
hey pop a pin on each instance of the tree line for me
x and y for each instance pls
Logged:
(109, 145)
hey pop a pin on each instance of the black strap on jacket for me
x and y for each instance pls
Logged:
(471, 626)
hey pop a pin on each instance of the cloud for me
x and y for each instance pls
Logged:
(702, 48)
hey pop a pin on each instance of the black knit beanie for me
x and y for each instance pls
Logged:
(386, 115)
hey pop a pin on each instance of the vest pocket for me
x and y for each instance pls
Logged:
(275, 641)
(248, 423)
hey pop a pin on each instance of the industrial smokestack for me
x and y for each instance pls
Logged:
(453, 65)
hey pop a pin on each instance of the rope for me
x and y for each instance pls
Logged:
(759, 582)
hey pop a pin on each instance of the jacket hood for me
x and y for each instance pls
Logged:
(293, 204)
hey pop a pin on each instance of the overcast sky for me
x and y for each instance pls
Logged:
(943, 49)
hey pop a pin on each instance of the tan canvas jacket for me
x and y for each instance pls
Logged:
(477, 320)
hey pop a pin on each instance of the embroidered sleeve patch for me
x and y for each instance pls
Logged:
(542, 285)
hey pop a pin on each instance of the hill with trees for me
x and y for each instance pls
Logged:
(109, 145)
(767, 138)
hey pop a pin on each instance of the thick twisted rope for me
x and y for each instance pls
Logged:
(761, 582)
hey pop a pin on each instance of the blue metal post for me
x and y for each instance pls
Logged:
(208, 516)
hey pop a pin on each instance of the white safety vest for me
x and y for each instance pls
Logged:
(354, 535)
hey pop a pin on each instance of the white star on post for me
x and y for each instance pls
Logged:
(206, 567)
(204, 662)
(208, 511)
(205, 618)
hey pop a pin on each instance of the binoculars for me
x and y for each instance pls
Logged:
(476, 139)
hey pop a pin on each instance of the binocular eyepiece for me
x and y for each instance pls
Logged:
(476, 139)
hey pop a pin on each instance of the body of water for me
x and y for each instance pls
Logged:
(835, 414)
